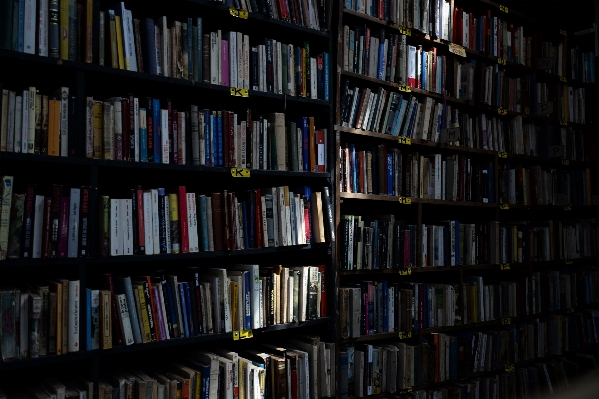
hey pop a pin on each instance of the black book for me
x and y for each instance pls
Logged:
(254, 75)
(150, 128)
(193, 276)
(266, 273)
(29, 221)
(329, 223)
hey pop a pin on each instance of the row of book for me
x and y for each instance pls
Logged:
(582, 65)
(40, 320)
(158, 307)
(443, 358)
(389, 172)
(155, 221)
(125, 128)
(537, 185)
(302, 365)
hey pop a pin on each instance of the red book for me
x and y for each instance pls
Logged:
(381, 9)
(141, 237)
(258, 218)
(117, 333)
(217, 221)
(323, 290)
(175, 143)
(307, 220)
(320, 151)
(125, 110)
(46, 237)
(63, 229)
(283, 10)
(182, 193)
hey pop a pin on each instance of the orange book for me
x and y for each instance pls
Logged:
(312, 137)
(54, 127)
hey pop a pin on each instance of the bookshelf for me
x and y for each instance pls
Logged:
(374, 156)
(111, 177)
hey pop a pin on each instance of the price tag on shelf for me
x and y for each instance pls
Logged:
(405, 391)
(501, 61)
(563, 79)
(569, 262)
(504, 206)
(568, 208)
(502, 111)
(405, 200)
(243, 14)
(239, 92)
(405, 88)
(563, 122)
(506, 321)
(405, 272)
(404, 140)
(504, 9)
(240, 172)
(504, 266)
(403, 335)
(235, 335)
(571, 310)
(457, 49)
(565, 162)
(563, 32)
(405, 31)
(510, 368)
(502, 154)
(245, 334)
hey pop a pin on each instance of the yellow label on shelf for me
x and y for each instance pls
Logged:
(405, 272)
(504, 9)
(405, 391)
(405, 88)
(571, 310)
(504, 206)
(501, 61)
(403, 334)
(502, 154)
(239, 92)
(457, 49)
(568, 208)
(405, 31)
(404, 140)
(245, 334)
(240, 172)
(405, 200)
(563, 79)
(563, 122)
(504, 266)
(565, 162)
(502, 111)
(563, 32)
(506, 320)
(569, 262)
(235, 335)
(510, 368)
(243, 14)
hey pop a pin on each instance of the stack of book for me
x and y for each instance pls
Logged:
(143, 309)
(40, 320)
(577, 239)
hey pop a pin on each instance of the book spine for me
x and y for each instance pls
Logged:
(73, 326)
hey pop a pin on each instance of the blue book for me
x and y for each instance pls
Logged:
(88, 307)
(326, 76)
(381, 66)
(182, 299)
(157, 133)
(21, 26)
(403, 105)
(245, 225)
(389, 174)
(352, 157)
(423, 71)
(207, 144)
(173, 308)
(247, 295)
(205, 375)
(190, 60)
(189, 308)
(203, 224)
(143, 141)
(148, 42)
(197, 66)
(220, 138)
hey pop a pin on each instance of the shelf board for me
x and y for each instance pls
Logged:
(46, 360)
(392, 198)
(105, 70)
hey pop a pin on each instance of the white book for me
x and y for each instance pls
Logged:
(193, 227)
(31, 121)
(131, 53)
(25, 121)
(30, 20)
(116, 228)
(164, 128)
(136, 127)
(231, 37)
(240, 63)
(167, 229)
(125, 321)
(73, 235)
(155, 226)
(127, 225)
(290, 298)
(43, 29)
(148, 223)
(73, 325)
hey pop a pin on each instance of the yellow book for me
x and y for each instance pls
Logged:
(105, 320)
(143, 309)
(54, 127)
(63, 35)
(98, 128)
(119, 42)
(173, 205)
(234, 305)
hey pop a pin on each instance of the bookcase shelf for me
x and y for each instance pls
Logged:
(392, 198)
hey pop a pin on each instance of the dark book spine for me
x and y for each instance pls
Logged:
(167, 307)
(177, 156)
(84, 212)
(217, 221)
(150, 128)
(206, 58)
(255, 76)
(269, 66)
(148, 35)
(172, 144)
(28, 221)
(151, 320)
(72, 129)
(53, 29)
